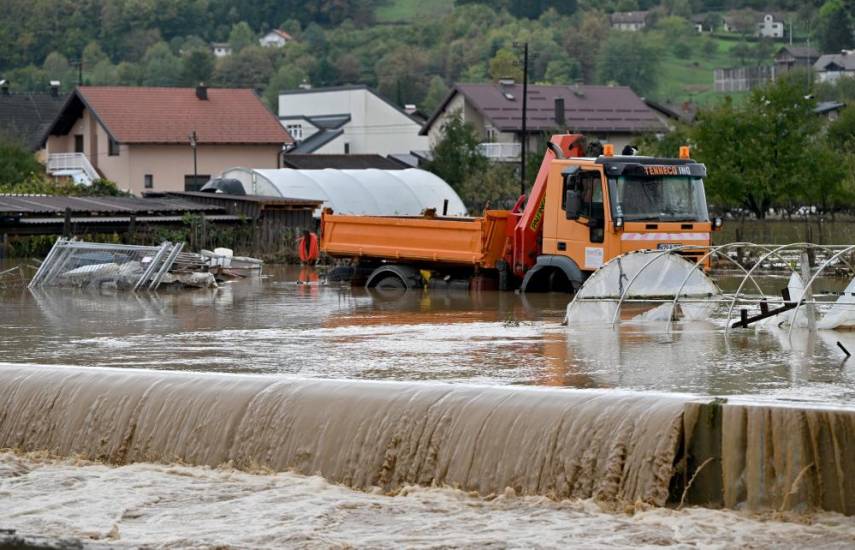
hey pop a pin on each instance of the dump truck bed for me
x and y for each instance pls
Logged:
(466, 241)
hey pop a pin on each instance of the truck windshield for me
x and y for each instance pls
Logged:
(661, 198)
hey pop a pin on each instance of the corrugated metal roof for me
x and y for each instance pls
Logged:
(53, 204)
(126, 219)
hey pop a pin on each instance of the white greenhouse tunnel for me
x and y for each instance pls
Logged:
(363, 192)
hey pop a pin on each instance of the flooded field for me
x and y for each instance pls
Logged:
(278, 329)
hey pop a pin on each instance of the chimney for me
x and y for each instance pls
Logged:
(560, 121)
(202, 91)
(54, 88)
(4, 87)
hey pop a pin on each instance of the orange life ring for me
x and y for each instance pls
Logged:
(308, 250)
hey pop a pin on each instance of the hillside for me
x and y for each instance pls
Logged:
(412, 51)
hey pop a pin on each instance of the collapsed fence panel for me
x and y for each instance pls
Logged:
(73, 263)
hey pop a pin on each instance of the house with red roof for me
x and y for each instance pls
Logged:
(161, 139)
(608, 114)
(275, 39)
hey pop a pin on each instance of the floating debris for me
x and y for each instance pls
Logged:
(79, 264)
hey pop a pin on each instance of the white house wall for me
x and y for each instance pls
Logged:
(375, 127)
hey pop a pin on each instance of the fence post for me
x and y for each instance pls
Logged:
(132, 228)
(4, 250)
(204, 231)
(66, 226)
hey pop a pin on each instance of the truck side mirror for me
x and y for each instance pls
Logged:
(573, 202)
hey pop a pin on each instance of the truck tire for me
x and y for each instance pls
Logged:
(394, 279)
(553, 274)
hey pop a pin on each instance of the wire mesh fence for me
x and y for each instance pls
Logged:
(72, 263)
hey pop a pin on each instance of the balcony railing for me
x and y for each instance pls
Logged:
(68, 164)
(500, 151)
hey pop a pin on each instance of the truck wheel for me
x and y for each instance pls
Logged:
(393, 280)
(552, 274)
(389, 281)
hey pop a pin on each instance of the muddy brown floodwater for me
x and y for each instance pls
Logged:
(273, 325)
(292, 332)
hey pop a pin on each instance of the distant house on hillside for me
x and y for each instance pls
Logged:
(275, 39)
(25, 117)
(162, 139)
(792, 57)
(221, 49)
(348, 120)
(613, 114)
(830, 67)
(629, 20)
(698, 21)
(748, 21)
(770, 27)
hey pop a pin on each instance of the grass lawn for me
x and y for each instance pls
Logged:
(405, 11)
(692, 78)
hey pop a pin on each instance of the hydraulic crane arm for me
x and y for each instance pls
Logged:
(527, 223)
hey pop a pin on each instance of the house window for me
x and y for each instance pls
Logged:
(296, 131)
(195, 183)
(78, 143)
(491, 134)
(346, 148)
(148, 181)
(113, 148)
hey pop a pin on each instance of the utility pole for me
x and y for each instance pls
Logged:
(524, 116)
(79, 64)
(193, 143)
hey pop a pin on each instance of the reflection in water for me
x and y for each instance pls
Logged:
(275, 325)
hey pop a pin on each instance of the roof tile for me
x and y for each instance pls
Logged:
(170, 115)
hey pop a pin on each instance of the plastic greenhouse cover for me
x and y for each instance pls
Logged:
(649, 274)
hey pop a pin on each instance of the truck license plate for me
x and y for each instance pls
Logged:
(668, 246)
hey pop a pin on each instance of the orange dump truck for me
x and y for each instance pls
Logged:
(582, 212)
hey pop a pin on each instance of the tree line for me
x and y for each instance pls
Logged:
(167, 43)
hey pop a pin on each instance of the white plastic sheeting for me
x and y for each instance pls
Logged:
(363, 192)
(647, 275)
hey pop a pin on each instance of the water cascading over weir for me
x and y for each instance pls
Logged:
(608, 445)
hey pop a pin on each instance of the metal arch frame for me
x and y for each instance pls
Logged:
(716, 250)
(774, 251)
(658, 256)
(809, 283)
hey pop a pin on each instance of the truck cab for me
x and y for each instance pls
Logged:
(598, 208)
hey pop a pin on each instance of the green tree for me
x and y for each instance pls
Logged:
(56, 67)
(563, 71)
(456, 156)
(93, 54)
(241, 36)
(17, 163)
(630, 59)
(437, 90)
(160, 66)
(197, 66)
(766, 152)
(584, 40)
(402, 75)
(506, 64)
(841, 132)
(835, 26)
(251, 68)
(497, 186)
(286, 78)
